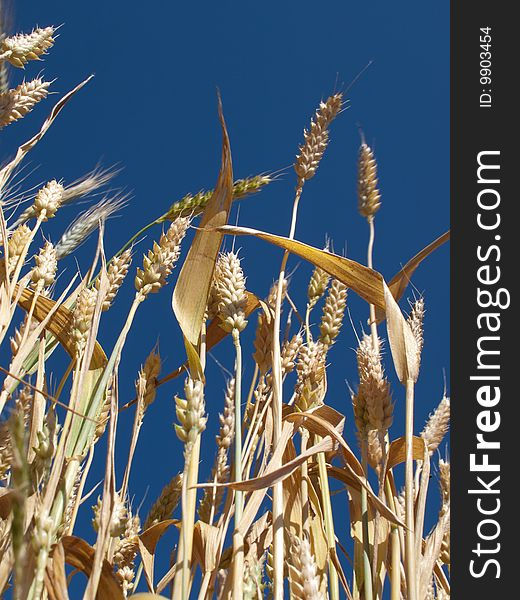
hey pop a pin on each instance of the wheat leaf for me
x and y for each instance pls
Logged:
(191, 292)
(364, 281)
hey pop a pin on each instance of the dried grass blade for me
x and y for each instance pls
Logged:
(55, 576)
(148, 541)
(275, 474)
(351, 462)
(7, 171)
(397, 451)
(400, 281)
(192, 289)
(364, 281)
(59, 324)
(80, 555)
(405, 353)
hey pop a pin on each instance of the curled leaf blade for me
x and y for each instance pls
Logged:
(191, 292)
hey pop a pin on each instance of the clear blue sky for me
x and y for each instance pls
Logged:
(152, 109)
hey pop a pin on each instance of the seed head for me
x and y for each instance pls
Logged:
(48, 200)
(147, 381)
(369, 198)
(193, 205)
(20, 49)
(311, 382)
(16, 103)
(264, 331)
(316, 138)
(415, 320)
(230, 287)
(317, 286)
(116, 273)
(17, 242)
(437, 425)
(373, 408)
(303, 573)
(44, 272)
(86, 223)
(190, 413)
(212, 497)
(82, 317)
(165, 504)
(159, 261)
(333, 312)
(290, 351)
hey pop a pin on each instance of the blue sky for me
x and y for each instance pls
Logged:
(151, 109)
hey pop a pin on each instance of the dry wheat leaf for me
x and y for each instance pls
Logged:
(403, 345)
(214, 335)
(324, 413)
(6, 172)
(59, 325)
(275, 475)
(397, 451)
(292, 495)
(362, 280)
(400, 281)
(146, 596)
(6, 500)
(431, 552)
(260, 537)
(255, 500)
(192, 289)
(318, 537)
(344, 476)
(148, 541)
(80, 555)
(55, 576)
(352, 464)
(205, 545)
(313, 421)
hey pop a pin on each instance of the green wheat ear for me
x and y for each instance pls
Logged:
(193, 205)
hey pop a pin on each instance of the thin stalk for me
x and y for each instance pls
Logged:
(367, 570)
(206, 580)
(370, 251)
(307, 323)
(329, 523)
(181, 583)
(395, 548)
(278, 528)
(134, 237)
(305, 483)
(409, 495)
(238, 542)
(251, 392)
(61, 385)
(189, 501)
(364, 450)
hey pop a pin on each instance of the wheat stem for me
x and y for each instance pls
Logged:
(329, 523)
(367, 569)
(238, 541)
(278, 527)
(395, 548)
(305, 483)
(409, 495)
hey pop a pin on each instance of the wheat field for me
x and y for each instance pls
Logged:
(264, 523)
